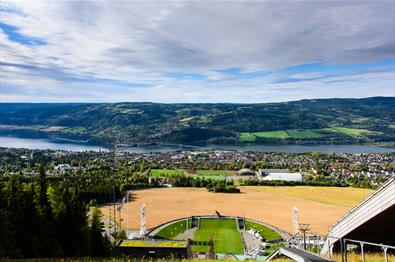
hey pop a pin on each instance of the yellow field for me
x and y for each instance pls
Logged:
(337, 196)
(318, 206)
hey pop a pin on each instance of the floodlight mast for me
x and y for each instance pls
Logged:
(113, 207)
(303, 228)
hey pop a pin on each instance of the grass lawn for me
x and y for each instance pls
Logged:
(227, 238)
(166, 172)
(215, 172)
(265, 232)
(303, 134)
(173, 230)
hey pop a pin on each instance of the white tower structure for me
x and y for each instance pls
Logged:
(142, 221)
(295, 226)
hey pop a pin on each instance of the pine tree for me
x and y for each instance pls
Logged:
(7, 240)
(99, 243)
(49, 246)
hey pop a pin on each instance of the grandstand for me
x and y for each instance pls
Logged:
(370, 224)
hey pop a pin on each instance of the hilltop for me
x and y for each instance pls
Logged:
(317, 121)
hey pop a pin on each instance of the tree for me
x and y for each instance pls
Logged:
(99, 243)
(48, 244)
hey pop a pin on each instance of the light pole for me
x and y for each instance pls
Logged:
(304, 228)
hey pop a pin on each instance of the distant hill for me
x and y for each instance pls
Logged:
(317, 121)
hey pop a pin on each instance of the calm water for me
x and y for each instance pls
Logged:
(33, 143)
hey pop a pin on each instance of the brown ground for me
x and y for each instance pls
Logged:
(268, 206)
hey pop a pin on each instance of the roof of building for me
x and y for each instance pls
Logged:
(273, 170)
(154, 243)
(284, 176)
(245, 171)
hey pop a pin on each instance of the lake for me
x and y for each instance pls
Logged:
(38, 143)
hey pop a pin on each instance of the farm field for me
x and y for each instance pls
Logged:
(227, 238)
(303, 134)
(349, 131)
(272, 134)
(337, 196)
(318, 206)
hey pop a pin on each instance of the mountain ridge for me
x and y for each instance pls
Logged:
(306, 121)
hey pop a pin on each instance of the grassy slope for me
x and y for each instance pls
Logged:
(265, 232)
(173, 230)
(340, 196)
(227, 238)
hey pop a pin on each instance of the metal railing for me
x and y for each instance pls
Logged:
(343, 247)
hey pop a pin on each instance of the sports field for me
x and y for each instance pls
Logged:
(215, 172)
(227, 238)
(318, 206)
(166, 172)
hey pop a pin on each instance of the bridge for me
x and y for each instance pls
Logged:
(370, 221)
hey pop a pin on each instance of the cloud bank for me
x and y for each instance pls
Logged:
(189, 51)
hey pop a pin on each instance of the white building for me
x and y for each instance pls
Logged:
(279, 175)
(63, 168)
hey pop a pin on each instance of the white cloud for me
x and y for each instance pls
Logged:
(125, 50)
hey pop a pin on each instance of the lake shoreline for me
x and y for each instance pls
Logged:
(56, 144)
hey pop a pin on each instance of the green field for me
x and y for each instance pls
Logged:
(214, 177)
(350, 131)
(265, 232)
(215, 172)
(227, 238)
(272, 134)
(247, 137)
(303, 134)
(173, 230)
(166, 172)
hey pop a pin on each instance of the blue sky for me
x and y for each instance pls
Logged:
(189, 51)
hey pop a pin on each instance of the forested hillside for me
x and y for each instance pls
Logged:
(370, 120)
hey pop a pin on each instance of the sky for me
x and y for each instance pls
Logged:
(195, 51)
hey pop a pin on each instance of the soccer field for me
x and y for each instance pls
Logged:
(227, 238)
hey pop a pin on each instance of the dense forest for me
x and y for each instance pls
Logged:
(325, 121)
(42, 220)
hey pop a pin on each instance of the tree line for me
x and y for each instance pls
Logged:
(42, 220)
